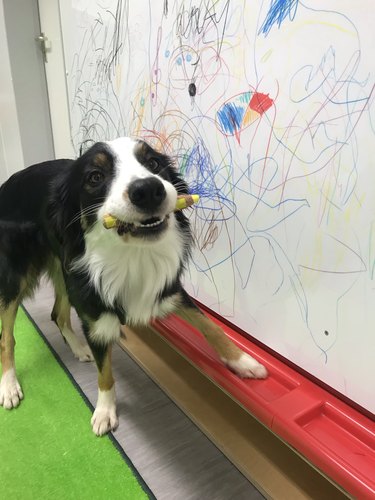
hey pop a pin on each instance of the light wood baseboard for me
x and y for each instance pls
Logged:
(276, 470)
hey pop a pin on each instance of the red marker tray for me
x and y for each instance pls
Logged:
(333, 436)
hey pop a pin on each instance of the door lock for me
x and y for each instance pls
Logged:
(43, 44)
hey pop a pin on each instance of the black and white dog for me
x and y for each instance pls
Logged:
(51, 221)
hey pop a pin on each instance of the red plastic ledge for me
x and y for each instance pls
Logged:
(334, 437)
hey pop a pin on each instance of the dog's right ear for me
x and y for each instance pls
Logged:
(85, 146)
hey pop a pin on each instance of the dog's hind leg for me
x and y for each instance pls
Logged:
(61, 316)
(238, 361)
(10, 389)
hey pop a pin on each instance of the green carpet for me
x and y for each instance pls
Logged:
(47, 447)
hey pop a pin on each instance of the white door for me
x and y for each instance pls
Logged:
(56, 77)
(28, 78)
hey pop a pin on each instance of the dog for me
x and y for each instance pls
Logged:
(51, 222)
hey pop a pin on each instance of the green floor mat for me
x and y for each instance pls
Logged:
(47, 447)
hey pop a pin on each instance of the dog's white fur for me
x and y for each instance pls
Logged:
(104, 418)
(105, 329)
(246, 366)
(132, 274)
(10, 390)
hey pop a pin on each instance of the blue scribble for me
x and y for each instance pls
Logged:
(277, 12)
(204, 177)
(230, 117)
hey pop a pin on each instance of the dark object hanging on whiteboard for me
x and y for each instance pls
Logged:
(192, 89)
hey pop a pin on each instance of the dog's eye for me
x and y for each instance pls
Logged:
(153, 163)
(96, 177)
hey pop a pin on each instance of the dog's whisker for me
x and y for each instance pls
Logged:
(91, 209)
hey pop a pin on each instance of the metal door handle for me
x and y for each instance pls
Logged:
(42, 39)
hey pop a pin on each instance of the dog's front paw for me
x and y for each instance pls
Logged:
(10, 390)
(104, 420)
(246, 367)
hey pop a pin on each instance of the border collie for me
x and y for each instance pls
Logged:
(51, 221)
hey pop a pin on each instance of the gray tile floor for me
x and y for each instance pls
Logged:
(176, 460)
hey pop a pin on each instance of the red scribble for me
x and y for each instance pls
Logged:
(260, 102)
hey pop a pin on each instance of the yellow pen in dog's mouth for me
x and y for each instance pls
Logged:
(183, 201)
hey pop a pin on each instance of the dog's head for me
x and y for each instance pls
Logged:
(132, 182)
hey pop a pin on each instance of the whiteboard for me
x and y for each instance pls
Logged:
(268, 108)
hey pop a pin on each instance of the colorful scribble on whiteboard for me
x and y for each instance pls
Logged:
(241, 111)
(268, 109)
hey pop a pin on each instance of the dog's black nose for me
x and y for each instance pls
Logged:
(147, 194)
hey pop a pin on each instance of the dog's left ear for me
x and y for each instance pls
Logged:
(64, 213)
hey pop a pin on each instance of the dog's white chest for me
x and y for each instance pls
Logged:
(133, 276)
